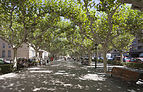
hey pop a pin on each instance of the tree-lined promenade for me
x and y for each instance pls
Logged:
(64, 76)
(70, 27)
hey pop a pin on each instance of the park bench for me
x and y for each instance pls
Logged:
(126, 74)
(141, 76)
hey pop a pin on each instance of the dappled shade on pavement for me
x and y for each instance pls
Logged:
(64, 76)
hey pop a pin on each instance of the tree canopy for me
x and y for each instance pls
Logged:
(69, 26)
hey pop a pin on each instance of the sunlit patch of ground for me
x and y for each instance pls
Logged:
(93, 77)
(59, 73)
(92, 66)
(63, 73)
(41, 88)
(41, 71)
(9, 75)
(35, 68)
(64, 76)
(56, 65)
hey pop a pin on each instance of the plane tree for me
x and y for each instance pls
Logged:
(18, 19)
(131, 25)
(80, 42)
(40, 37)
(88, 22)
(134, 23)
(109, 25)
(123, 43)
(108, 29)
(98, 30)
(86, 19)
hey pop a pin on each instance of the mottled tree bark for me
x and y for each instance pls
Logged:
(15, 58)
(104, 58)
(89, 58)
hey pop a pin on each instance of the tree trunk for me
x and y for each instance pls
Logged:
(15, 58)
(105, 59)
(36, 53)
(96, 58)
(97, 55)
(89, 58)
(121, 58)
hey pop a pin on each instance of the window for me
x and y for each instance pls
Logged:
(139, 47)
(9, 53)
(3, 45)
(3, 53)
(9, 46)
(139, 41)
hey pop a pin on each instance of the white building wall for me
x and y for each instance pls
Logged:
(23, 51)
(45, 55)
(32, 52)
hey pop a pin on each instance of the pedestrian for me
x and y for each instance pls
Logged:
(47, 61)
(40, 62)
(52, 58)
(65, 58)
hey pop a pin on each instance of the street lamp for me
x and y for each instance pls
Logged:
(96, 48)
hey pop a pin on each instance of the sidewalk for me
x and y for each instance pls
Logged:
(64, 76)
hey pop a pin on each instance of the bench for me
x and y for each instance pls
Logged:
(126, 74)
(141, 76)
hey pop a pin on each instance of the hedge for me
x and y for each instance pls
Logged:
(6, 68)
(134, 65)
(100, 60)
(114, 62)
(127, 64)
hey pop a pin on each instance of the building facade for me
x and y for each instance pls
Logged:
(6, 50)
(25, 51)
(135, 49)
(137, 46)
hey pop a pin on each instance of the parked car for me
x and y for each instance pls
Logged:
(136, 60)
(140, 59)
(126, 59)
(100, 58)
(141, 55)
(110, 59)
(8, 61)
(1, 61)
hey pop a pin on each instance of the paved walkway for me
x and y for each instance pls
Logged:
(64, 76)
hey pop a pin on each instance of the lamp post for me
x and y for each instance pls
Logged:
(96, 59)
